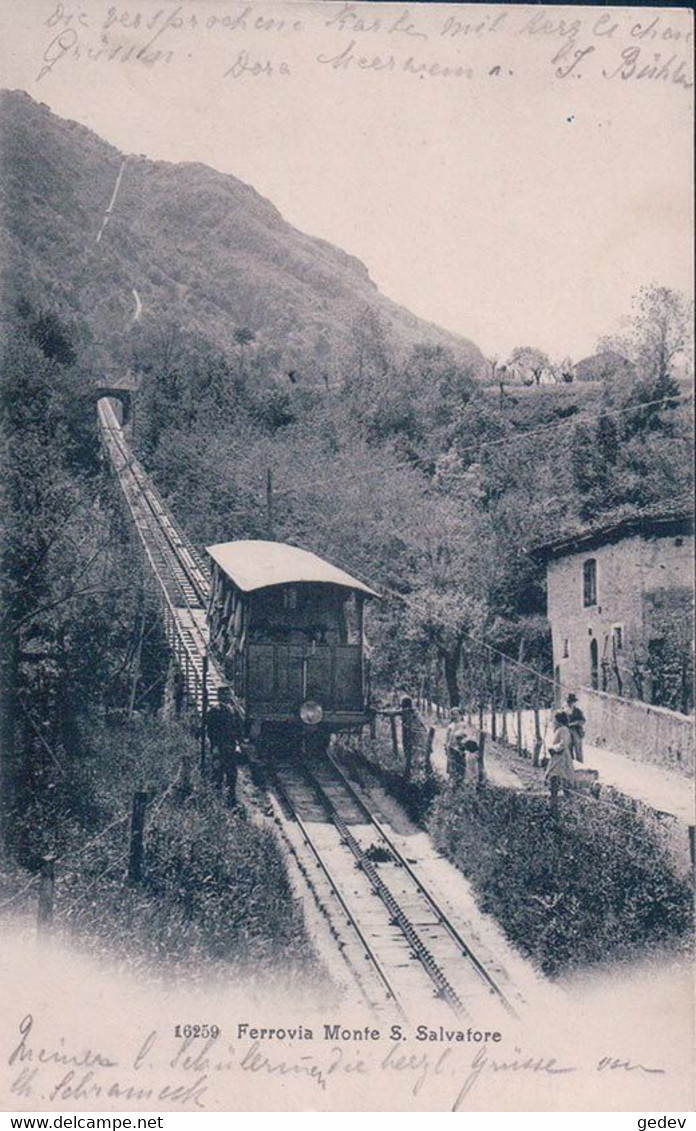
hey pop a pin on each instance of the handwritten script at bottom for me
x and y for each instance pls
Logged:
(191, 1074)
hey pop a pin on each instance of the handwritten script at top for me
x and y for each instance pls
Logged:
(254, 42)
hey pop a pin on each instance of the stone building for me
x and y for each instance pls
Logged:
(620, 604)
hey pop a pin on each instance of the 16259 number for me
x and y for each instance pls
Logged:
(205, 1031)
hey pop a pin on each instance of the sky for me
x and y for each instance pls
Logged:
(505, 201)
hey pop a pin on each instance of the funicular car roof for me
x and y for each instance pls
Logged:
(257, 564)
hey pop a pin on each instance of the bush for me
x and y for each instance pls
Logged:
(594, 885)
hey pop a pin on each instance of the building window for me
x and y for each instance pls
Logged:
(589, 582)
(617, 637)
(566, 648)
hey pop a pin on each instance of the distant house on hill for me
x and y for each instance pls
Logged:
(620, 604)
(603, 366)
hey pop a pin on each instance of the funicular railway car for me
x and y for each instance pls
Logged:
(288, 630)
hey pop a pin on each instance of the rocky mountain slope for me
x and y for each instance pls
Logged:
(200, 248)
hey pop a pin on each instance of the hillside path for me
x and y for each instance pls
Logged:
(112, 202)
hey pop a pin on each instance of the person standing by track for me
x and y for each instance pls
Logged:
(224, 734)
(576, 725)
(561, 762)
(455, 738)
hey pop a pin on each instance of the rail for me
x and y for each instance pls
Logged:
(195, 565)
(443, 970)
(368, 950)
(172, 562)
(443, 986)
(186, 554)
(442, 917)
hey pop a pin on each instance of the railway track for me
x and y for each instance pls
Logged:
(445, 921)
(396, 939)
(403, 931)
(373, 981)
(180, 576)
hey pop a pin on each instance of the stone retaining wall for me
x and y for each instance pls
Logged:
(639, 730)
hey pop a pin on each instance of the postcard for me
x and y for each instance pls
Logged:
(347, 666)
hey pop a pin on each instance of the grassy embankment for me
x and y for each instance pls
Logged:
(596, 885)
(214, 900)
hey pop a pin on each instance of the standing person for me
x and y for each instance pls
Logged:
(561, 763)
(576, 724)
(409, 733)
(454, 738)
(224, 735)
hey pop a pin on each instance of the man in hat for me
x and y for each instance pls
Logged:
(576, 725)
(224, 734)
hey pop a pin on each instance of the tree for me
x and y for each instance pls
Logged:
(323, 358)
(564, 370)
(63, 610)
(481, 422)
(243, 337)
(669, 659)
(368, 361)
(446, 605)
(593, 457)
(529, 362)
(423, 400)
(444, 621)
(656, 342)
(662, 331)
(52, 338)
